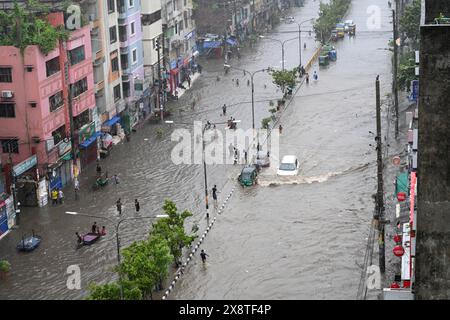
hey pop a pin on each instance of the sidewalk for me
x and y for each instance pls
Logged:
(185, 84)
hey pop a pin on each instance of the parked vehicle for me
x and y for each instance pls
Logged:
(334, 35)
(248, 176)
(324, 60)
(289, 166)
(340, 28)
(262, 159)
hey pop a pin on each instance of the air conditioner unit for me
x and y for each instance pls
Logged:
(7, 94)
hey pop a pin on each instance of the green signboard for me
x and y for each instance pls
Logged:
(86, 131)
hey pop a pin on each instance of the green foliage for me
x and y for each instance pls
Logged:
(409, 22)
(265, 123)
(146, 263)
(5, 266)
(273, 110)
(406, 70)
(329, 14)
(172, 229)
(24, 27)
(284, 78)
(111, 291)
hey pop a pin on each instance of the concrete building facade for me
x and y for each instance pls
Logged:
(433, 218)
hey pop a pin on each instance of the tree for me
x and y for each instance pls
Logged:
(284, 78)
(406, 70)
(410, 22)
(145, 263)
(24, 27)
(172, 229)
(111, 291)
(329, 14)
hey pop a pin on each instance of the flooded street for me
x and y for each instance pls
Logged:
(304, 238)
(300, 238)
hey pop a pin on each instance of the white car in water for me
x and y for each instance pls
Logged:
(289, 166)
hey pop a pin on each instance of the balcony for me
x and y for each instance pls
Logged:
(123, 37)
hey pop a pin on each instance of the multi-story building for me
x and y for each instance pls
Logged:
(151, 34)
(180, 35)
(131, 58)
(43, 96)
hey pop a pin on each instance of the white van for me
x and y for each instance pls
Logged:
(289, 166)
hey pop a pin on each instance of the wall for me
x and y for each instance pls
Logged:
(433, 217)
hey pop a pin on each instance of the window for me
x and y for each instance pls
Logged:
(131, 3)
(10, 145)
(133, 31)
(59, 134)
(56, 101)
(148, 19)
(5, 74)
(79, 87)
(112, 35)
(117, 94)
(134, 57)
(115, 64)
(7, 110)
(52, 66)
(186, 20)
(82, 119)
(76, 55)
(111, 6)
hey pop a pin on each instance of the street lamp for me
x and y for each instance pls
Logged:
(252, 74)
(300, 40)
(203, 156)
(117, 234)
(282, 46)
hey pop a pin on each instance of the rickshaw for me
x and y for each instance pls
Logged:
(352, 30)
(101, 181)
(248, 176)
(30, 243)
(324, 60)
(334, 35)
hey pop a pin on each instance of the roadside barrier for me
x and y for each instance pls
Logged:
(180, 270)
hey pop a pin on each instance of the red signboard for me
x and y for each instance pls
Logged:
(401, 196)
(399, 251)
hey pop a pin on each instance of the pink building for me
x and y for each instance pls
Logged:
(34, 110)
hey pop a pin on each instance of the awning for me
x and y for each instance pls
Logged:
(86, 143)
(112, 121)
(402, 183)
(232, 42)
(211, 44)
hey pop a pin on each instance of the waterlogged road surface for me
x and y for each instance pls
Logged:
(282, 241)
(304, 237)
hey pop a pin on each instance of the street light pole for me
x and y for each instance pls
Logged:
(117, 235)
(252, 74)
(300, 40)
(203, 158)
(282, 47)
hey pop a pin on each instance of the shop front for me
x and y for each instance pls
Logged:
(3, 219)
(88, 144)
(26, 186)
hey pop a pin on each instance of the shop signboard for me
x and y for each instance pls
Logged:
(86, 131)
(25, 165)
(64, 147)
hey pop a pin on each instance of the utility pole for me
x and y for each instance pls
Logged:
(161, 108)
(72, 129)
(394, 82)
(163, 46)
(204, 171)
(379, 208)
